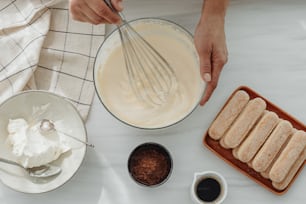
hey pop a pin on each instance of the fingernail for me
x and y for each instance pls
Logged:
(207, 77)
(120, 6)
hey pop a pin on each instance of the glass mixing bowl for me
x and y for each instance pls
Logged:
(113, 89)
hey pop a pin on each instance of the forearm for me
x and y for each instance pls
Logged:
(214, 8)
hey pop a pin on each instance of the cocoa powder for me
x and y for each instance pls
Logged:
(150, 165)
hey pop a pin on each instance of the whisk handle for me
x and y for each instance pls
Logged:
(110, 5)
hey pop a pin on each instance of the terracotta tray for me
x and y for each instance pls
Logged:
(227, 156)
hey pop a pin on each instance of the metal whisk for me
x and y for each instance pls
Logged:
(151, 77)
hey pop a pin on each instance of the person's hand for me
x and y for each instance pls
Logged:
(210, 43)
(95, 11)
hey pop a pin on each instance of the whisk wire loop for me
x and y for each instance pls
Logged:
(150, 75)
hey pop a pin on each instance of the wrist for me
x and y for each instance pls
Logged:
(214, 9)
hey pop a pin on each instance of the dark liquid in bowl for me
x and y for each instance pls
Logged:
(208, 189)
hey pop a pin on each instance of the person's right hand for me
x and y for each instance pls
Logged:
(210, 43)
(95, 11)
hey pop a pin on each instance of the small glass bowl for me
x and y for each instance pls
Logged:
(113, 40)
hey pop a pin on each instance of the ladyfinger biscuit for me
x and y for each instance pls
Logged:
(289, 155)
(272, 146)
(222, 143)
(234, 152)
(296, 166)
(265, 173)
(257, 137)
(244, 122)
(228, 114)
(250, 164)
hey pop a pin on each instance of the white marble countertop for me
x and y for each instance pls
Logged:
(267, 52)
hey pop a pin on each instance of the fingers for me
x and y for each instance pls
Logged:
(94, 11)
(103, 11)
(81, 17)
(117, 4)
(219, 59)
(205, 66)
(208, 92)
(211, 86)
(91, 15)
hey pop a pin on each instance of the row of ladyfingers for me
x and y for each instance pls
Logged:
(268, 144)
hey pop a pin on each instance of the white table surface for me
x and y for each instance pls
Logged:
(267, 52)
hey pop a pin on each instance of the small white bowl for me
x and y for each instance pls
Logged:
(199, 176)
(21, 106)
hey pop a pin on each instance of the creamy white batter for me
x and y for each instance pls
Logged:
(116, 93)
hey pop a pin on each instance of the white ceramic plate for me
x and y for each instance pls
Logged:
(21, 106)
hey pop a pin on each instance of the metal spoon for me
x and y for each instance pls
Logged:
(43, 171)
(47, 126)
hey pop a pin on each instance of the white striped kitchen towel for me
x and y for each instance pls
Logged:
(42, 48)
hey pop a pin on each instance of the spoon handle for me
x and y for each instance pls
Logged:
(10, 162)
(86, 143)
(43, 171)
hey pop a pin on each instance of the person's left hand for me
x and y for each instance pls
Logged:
(210, 43)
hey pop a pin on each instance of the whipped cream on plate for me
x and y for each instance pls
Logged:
(31, 147)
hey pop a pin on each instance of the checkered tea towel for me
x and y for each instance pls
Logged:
(43, 48)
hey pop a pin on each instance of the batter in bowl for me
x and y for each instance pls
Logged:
(115, 92)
